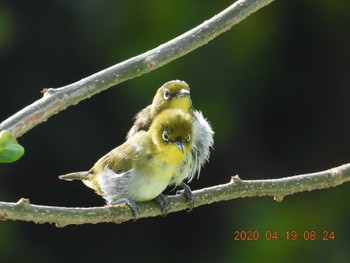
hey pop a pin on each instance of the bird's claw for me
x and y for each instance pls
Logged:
(188, 193)
(133, 206)
(164, 204)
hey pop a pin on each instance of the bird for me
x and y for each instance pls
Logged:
(176, 94)
(141, 168)
(172, 94)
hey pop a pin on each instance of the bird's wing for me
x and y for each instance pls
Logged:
(112, 170)
(142, 122)
(121, 158)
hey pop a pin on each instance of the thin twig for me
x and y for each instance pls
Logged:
(236, 188)
(56, 100)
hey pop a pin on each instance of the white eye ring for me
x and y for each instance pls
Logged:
(167, 94)
(165, 136)
(188, 138)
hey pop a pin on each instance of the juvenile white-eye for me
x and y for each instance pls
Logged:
(176, 94)
(143, 166)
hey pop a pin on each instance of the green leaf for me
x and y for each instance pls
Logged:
(10, 150)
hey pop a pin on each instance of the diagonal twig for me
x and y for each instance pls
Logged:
(56, 100)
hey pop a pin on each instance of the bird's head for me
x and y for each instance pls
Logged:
(172, 132)
(174, 94)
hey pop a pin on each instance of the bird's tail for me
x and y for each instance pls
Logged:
(75, 176)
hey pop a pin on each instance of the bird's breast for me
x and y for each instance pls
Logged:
(148, 181)
(171, 156)
(157, 167)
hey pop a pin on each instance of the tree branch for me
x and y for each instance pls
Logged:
(236, 188)
(56, 100)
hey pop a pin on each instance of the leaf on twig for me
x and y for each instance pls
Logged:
(10, 150)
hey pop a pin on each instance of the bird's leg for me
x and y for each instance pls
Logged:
(161, 200)
(135, 209)
(188, 193)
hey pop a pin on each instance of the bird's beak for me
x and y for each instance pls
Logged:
(182, 93)
(180, 145)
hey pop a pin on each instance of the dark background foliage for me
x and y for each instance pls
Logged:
(275, 89)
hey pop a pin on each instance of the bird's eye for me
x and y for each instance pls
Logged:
(167, 94)
(188, 138)
(165, 136)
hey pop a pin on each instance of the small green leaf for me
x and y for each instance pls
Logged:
(10, 150)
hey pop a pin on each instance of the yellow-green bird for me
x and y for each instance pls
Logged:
(143, 166)
(173, 94)
(176, 94)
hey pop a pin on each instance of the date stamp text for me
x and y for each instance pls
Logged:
(292, 235)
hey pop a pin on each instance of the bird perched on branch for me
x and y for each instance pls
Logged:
(171, 95)
(142, 167)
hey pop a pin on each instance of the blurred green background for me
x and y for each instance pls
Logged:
(275, 88)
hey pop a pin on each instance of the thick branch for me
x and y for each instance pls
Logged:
(236, 188)
(56, 100)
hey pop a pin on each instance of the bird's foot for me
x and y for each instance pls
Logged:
(188, 193)
(134, 208)
(164, 204)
